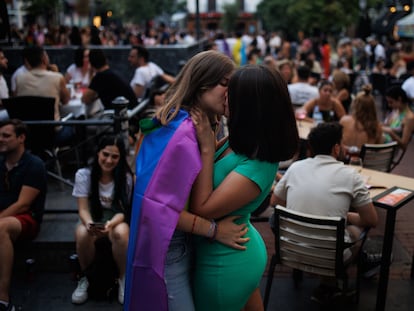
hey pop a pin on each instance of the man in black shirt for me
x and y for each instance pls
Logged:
(106, 84)
(22, 198)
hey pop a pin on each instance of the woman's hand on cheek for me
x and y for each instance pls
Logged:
(205, 135)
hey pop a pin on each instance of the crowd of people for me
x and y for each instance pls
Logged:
(179, 226)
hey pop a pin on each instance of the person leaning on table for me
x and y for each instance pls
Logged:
(322, 185)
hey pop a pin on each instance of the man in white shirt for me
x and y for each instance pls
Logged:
(374, 50)
(408, 84)
(301, 91)
(145, 71)
(4, 90)
(324, 186)
(25, 67)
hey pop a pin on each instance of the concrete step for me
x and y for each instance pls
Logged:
(51, 250)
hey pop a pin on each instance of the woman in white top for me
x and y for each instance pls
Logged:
(103, 194)
(80, 72)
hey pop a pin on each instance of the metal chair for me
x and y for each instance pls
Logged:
(40, 138)
(381, 157)
(313, 244)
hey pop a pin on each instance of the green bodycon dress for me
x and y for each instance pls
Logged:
(224, 278)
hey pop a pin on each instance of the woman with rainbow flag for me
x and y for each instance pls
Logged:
(168, 162)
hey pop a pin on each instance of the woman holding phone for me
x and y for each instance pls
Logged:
(103, 194)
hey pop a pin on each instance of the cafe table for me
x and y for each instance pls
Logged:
(304, 128)
(378, 182)
(77, 108)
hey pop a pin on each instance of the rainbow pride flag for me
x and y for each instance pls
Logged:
(166, 167)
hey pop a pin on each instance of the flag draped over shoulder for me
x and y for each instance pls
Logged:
(166, 167)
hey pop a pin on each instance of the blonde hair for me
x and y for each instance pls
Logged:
(202, 72)
(364, 111)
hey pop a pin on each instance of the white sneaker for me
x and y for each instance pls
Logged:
(80, 295)
(121, 290)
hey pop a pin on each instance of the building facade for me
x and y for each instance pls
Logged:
(211, 13)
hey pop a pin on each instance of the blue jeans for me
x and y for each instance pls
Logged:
(178, 273)
(64, 135)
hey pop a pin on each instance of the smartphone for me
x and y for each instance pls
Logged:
(98, 225)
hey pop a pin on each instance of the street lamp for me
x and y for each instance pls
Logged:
(198, 32)
(394, 5)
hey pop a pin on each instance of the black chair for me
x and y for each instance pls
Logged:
(41, 138)
(313, 244)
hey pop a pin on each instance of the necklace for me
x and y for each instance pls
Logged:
(10, 166)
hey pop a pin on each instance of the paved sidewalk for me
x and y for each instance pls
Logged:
(52, 291)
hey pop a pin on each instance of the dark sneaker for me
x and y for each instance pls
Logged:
(325, 295)
(370, 269)
(371, 265)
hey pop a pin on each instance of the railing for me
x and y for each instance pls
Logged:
(118, 121)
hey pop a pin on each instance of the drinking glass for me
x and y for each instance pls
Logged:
(300, 115)
(356, 162)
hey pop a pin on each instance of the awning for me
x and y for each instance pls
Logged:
(406, 26)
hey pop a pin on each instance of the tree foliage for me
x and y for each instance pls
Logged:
(40, 7)
(229, 19)
(328, 16)
(136, 11)
(144, 10)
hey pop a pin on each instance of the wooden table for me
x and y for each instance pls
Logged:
(377, 178)
(304, 127)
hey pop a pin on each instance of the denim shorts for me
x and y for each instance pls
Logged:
(178, 267)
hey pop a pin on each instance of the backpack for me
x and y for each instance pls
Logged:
(102, 273)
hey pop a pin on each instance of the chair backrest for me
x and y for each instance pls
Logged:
(310, 243)
(379, 157)
(379, 82)
(34, 108)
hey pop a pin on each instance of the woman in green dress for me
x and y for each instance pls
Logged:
(235, 180)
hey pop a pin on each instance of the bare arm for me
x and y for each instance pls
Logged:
(114, 221)
(235, 190)
(89, 96)
(308, 108)
(139, 90)
(83, 210)
(338, 108)
(406, 135)
(366, 216)
(168, 78)
(64, 92)
(275, 200)
(228, 233)
(342, 95)
(26, 197)
(68, 77)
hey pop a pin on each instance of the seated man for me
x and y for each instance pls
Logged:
(22, 199)
(106, 84)
(324, 186)
(302, 91)
(145, 71)
(43, 79)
